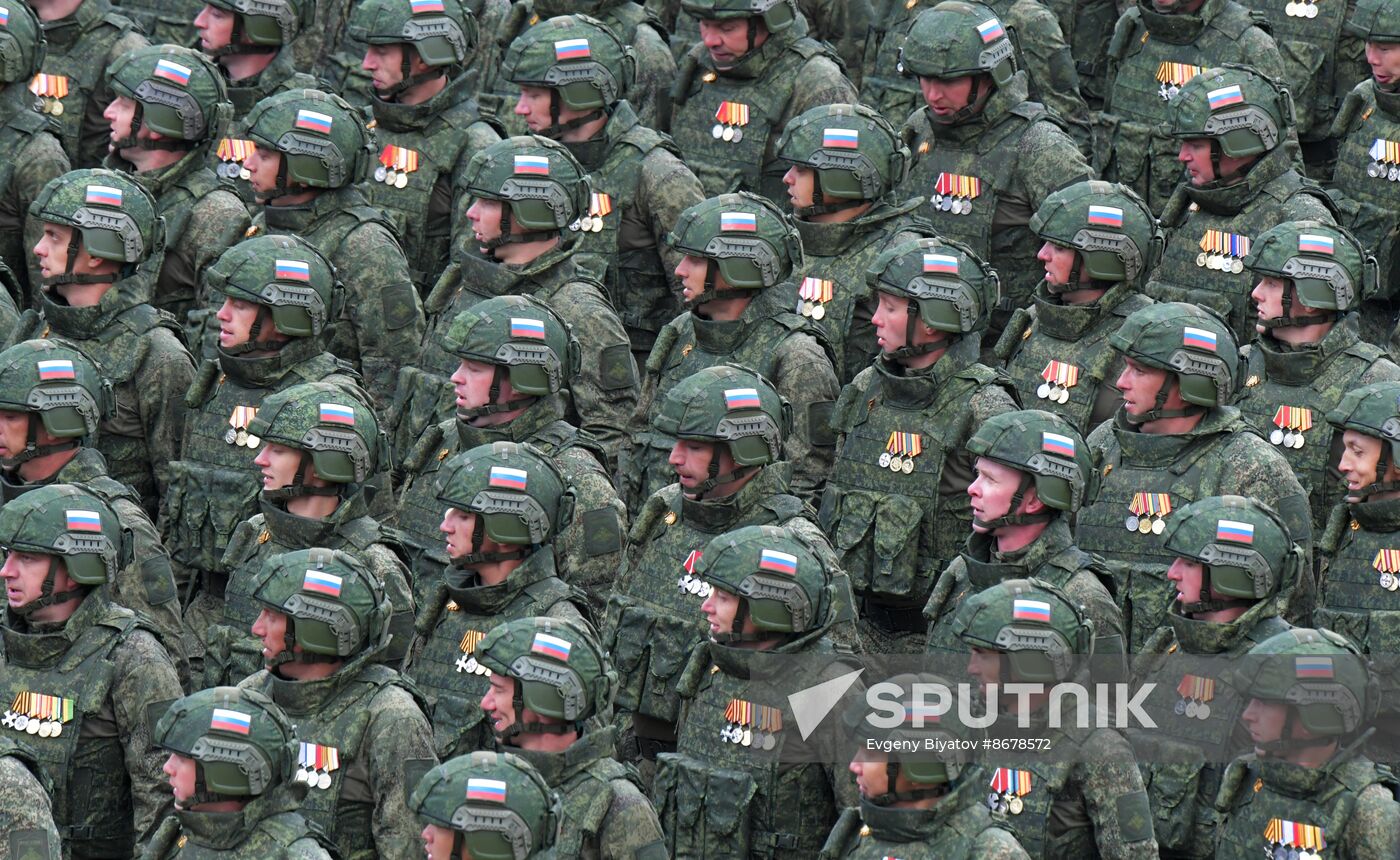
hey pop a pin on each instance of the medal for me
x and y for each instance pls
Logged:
(1195, 692)
(717, 131)
(395, 163)
(1203, 711)
(241, 437)
(1144, 526)
(1387, 561)
(731, 116)
(231, 436)
(815, 293)
(1201, 260)
(1060, 377)
(1223, 251)
(238, 421)
(39, 714)
(467, 645)
(380, 173)
(1016, 805)
(896, 464)
(884, 460)
(400, 182)
(316, 763)
(1292, 422)
(955, 192)
(1296, 841)
(1131, 523)
(902, 449)
(1171, 76)
(1191, 709)
(1180, 707)
(253, 441)
(599, 205)
(1150, 511)
(728, 133)
(1008, 787)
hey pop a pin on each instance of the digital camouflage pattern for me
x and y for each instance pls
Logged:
(27, 816)
(959, 827)
(1043, 50)
(1088, 28)
(165, 23)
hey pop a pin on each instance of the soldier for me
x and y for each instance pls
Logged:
(515, 357)
(425, 120)
(550, 702)
(85, 38)
(26, 816)
(1083, 796)
(505, 504)
(360, 726)
(754, 71)
(1088, 27)
(1176, 439)
(487, 805)
(1157, 47)
(52, 399)
(1235, 568)
(1100, 241)
(1233, 126)
(1033, 474)
(1306, 787)
(322, 458)
(9, 314)
(230, 770)
(82, 670)
(845, 163)
(34, 154)
(739, 249)
(1308, 353)
(310, 150)
(903, 424)
(769, 592)
(528, 195)
(98, 257)
(170, 109)
(978, 127)
(920, 790)
(640, 185)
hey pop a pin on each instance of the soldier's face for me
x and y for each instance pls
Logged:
(54, 10)
(533, 107)
(119, 115)
(457, 527)
(279, 466)
(1058, 262)
(14, 432)
(1360, 455)
(1139, 385)
(471, 384)
(868, 767)
(891, 321)
(1265, 720)
(215, 28)
(498, 707)
(1189, 577)
(691, 461)
(947, 96)
(24, 574)
(262, 165)
(485, 218)
(236, 318)
(180, 771)
(992, 490)
(801, 182)
(52, 251)
(385, 64)
(727, 39)
(720, 608)
(271, 628)
(437, 842)
(1384, 60)
(1194, 155)
(691, 273)
(985, 665)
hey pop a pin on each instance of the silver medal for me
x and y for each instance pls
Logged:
(738, 134)
(1063, 396)
(884, 460)
(1236, 266)
(1375, 169)
(400, 181)
(1297, 440)
(728, 134)
(1288, 439)
(717, 131)
(323, 781)
(1276, 437)
(231, 436)
(1159, 525)
(380, 173)
(1043, 392)
(1180, 707)
(1131, 523)
(1203, 712)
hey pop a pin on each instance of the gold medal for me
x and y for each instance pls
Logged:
(896, 463)
(1015, 805)
(908, 467)
(1145, 525)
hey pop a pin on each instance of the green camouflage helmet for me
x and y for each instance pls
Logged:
(1043, 633)
(922, 744)
(1188, 341)
(283, 273)
(22, 43)
(521, 334)
(745, 236)
(953, 288)
(1320, 673)
(442, 31)
(333, 423)
(546, 188)
(515, 489)
(559, 668)
(243, 745)
(1326, 264)
(179, 93)
(1375, 21)
(1245, 112)
(729, 405)
(1245, 546)
(323, 141)
(955, 39)
(777, 15)
(578, 57)
(1046, 449)
(500, 806)
(66, 521)
(1375, 411)
(779, 580)
(856, 154)
(60, 384)
(266, 23)
(113, 217)
(335, 607)
(1116, 235)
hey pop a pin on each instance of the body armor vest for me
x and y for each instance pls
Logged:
(1367, 175)
(1321, 62)
(21, 124)
(167, 22)
(882, 86)
(269, 838)
(1359, 597)
(176, 202)
(49, 683)
(949, 831)
(78, 50)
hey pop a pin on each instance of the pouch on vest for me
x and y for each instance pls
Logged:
(878, 538)
(703, 809)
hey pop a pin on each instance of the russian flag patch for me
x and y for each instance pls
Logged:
(103, 195)
(1054, 443)
(572, 49)
(1233, 531)
(841, 138)
(741, 398)
(335, 413)
(226, 720)
(551, 646)
(321, 582)
(1312, 666)
(172, 71)
(941, 264)
(310, 120)
(523, 327)
(532, 165)
(1225, 96)
(421, 7)
(743, 222)
(293, 270)
(83, 521)
(778, 562)
(508, 478)
(1030, 610)
(55, 368)
(1198, 338)
(990, 29)
(1105, 216)
(1315, 244)
(493, 790)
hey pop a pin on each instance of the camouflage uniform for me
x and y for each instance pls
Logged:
(523, 816)
(76, 89)
(167, 22)
(26, 816)
(138, 347)
(1151, 57)
(1087, 26)
(9, 314)
(365, 717)
(108, 788)
(1210, 227)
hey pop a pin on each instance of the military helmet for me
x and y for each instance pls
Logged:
(499, 805)
(730, 405)
(955, 39)
(781, 583)
(1244, 544)
(522, 334)
(560, 669)
(954, 289)
(546, 188)
(335, 607)
(1374, 410)
(333, 423)
(519, 495)
(930, 748)
(854, 151)
(443, 32)
(266, 23)
(1320, 673)
(69, 522)
(1236, 106)
(1328, 267)
(1187, 340)
(179, 93)
(1116, 235)
(22, 43)
(1375, 21)
(577, 56)
(1042, 631)
(113, 216)
(1043, 445)
(242, 743)
(753, 244)
(323, 141)
(60, 384)
(284, 273)
(777, 15)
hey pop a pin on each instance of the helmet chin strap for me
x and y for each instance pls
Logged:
(1013, 519)
(1383, 463)
(47, 597)
(252, 344)
(556, 129)
(1072, 282)
(492, 407)
(1215, 156)
(290, 655)
(708, 292)
(1286, 744)
(476, 558)
(1288, 320)
(236, 45)
(821, 204)
(715, 478)
(891, 797)
(909, 350)
(33, 450)
(1215, 605)
(408, 80)
(736, 634)
(508, 238)
(518, 725)
(280, 189)
(1159, 411)
(131, 141)
(74, 245)
(298, 486)
(969, 110)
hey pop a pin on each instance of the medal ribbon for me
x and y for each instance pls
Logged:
(815, 290)
(1298, 418)
(1177, 74)
(233, 149)
(1387, 151)
(731, 711)
(1218, 242)
(958, 185)
(52, 86)
(1017, 782)
(1061, 373)
(1153, 504)
(600, 205)
(242, 416)
(470, 639)
(733, 113)
(1387, 560)
(902, 444)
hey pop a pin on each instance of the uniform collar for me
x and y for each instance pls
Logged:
(836, 238)
(1071, 322)
(1301, 365)
(920, 386)
(395, 116)
(544, 412)
(466, 589)
(714, 516)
